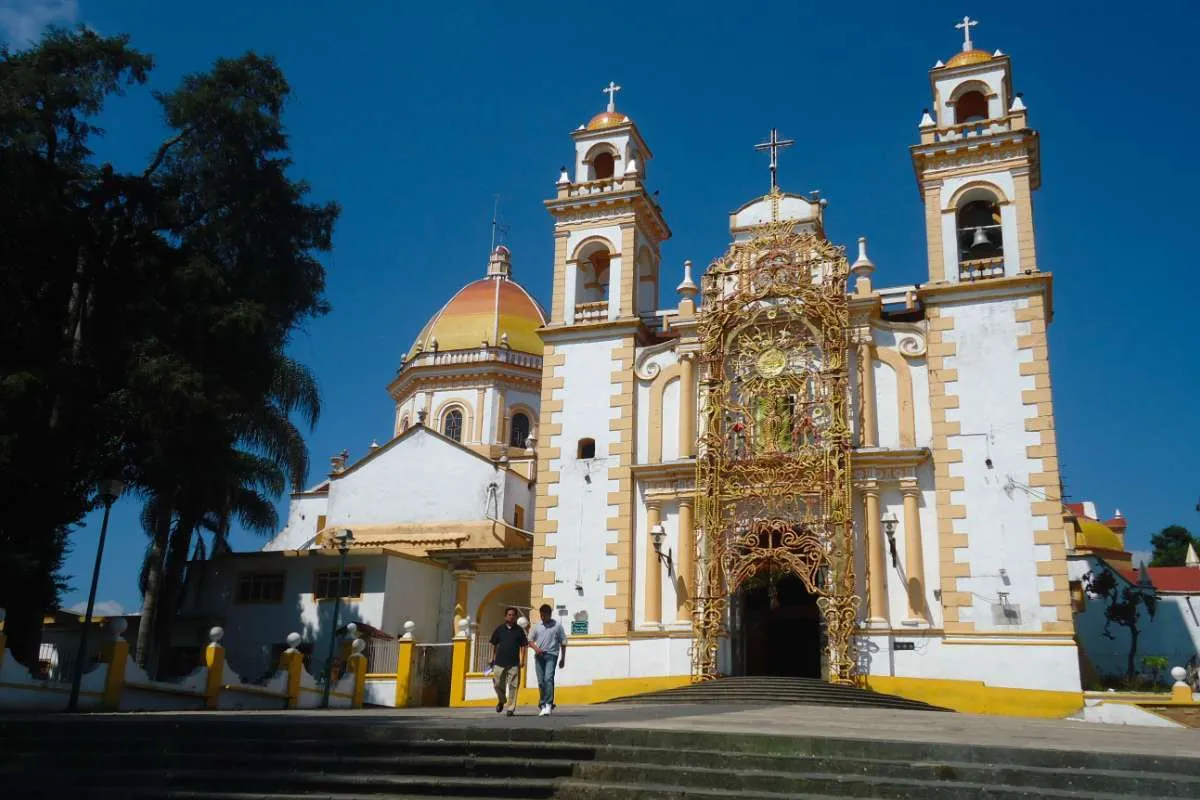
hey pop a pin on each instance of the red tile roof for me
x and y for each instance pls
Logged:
(1169, 579)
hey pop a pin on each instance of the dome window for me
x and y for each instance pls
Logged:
(518, 430)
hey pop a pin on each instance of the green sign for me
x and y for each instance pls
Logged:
(579, 627)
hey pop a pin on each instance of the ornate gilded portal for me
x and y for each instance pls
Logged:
(774, 477)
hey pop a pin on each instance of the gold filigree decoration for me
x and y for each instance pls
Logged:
(774, 474)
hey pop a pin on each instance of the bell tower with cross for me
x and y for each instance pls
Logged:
(608, 230)
(977, 165)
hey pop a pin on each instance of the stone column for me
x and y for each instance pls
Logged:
(687, 405)
(914, 559)
(686, 564)
(463, 577)
(870, 426)
(876, 562)
(653, 568)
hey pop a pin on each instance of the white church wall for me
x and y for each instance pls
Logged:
(670, 420)
(641, 422)
(413, 590)
(304, 511)
(590, 660)
(922, 418)
(420, 479)
(993, 78)
(519, 492)
(491, 430)
(581, 544)
(999, 524)
(887, 412)
(1015, 664)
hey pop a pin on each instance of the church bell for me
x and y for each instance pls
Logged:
(980, 240)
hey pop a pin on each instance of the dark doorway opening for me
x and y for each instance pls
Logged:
(776, 629)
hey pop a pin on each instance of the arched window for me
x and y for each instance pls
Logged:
(452, 424)
(979, 232)
(518, 430)
(587, 448)
(971, 107)
(603, 165)
(591, 282)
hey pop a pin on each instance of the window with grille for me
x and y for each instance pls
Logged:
(326, 584)
(518, 432)
(452, 425)
(260, 587)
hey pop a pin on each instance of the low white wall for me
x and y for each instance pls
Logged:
(380, 692)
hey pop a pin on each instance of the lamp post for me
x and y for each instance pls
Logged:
(109, 490)
(343, 538)
(889, 529)
(658, 535)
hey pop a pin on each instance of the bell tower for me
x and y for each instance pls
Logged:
(977, 167)
(607, 235)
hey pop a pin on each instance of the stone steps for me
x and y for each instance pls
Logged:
(236, 757)
(767, 690)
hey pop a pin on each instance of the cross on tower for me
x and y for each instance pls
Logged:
(611, 90)
(965, 26)
(774, 144)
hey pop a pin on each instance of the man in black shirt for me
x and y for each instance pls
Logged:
(508, 660)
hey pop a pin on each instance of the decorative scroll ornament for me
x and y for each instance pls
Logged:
(774, 476)
(645, 366)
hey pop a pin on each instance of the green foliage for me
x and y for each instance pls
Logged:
(1171, 545)
(147, 313)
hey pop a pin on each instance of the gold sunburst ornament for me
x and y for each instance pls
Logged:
(771, 363)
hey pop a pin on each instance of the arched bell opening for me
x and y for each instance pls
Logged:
(980, 235)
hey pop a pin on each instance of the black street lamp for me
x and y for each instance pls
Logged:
(109, 490)
(343, 538)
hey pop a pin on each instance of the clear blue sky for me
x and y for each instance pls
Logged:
(413, 115)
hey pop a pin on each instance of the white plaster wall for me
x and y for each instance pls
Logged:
(490, 430)
(301, 528)
(1029, 665)
(519, 492)
(619, 141)
(999, 524)
(590, 660)
(922, 415)
(641, 423)
(412, 591)
(670, 418)
(582, 512)
(886, 411)
(252, 628)
(421, 478)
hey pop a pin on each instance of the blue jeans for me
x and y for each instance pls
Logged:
(545, 664)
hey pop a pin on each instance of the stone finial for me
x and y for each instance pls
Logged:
(938, 64)
(687, 292)
(863, 268)
(504, 339)
(1178, 673)
(373, 446)
(1191, 559)
(117, 627)
(433, 344)
(358, 646)
(216, 634)
(460, 630)
(352, 630)
(522, 622)
(409, 626)
(530, 441)
(927, 120)
(563, 177)
(421, 415)
(631, 167)
(1018, 104)
(293, 642)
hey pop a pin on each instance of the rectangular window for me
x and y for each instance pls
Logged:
(518, 517)
(260, 587)
(325, 584)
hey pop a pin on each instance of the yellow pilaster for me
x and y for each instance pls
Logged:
(291, 662)
(404, 663)
(914, 558)
(214, 661)
(653, 569)
(866, 361)
(686, 581)
(358, 668)
(876, 563)
(479, 399)
(116, 654)
(462, 589)
(458, 669)
(687, 406)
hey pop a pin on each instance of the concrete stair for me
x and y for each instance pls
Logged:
(771, 691)
(354, 756)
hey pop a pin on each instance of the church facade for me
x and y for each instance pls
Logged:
(796, 469)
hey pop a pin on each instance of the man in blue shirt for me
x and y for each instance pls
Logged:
(549, 643)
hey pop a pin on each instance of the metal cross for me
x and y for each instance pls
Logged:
(774, 144)
(611, 90)
(965, 26)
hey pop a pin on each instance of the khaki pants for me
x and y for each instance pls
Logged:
(507, 678)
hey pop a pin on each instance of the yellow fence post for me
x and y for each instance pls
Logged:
(404, 664)
(214, 660)
(1180, 691)
(458, 666)
(291, 661)
(358, 668)
(116, 655)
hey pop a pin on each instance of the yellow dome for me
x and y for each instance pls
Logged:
(1097, 536)
(607, 119)
(966, 57)
(487, 309)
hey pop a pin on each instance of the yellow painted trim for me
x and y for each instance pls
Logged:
(458, 671)
(952, 202)
(358, 667)
(976, 697)
(595, 692)
(292, 663)
(904, 394)
(214, 661)
(117, 656)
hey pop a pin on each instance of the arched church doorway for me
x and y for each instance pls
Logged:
(776, 629)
